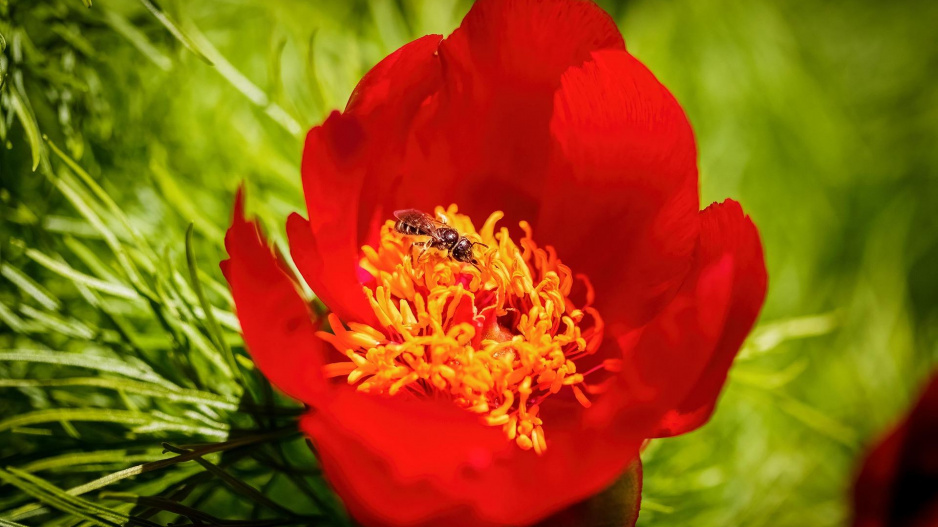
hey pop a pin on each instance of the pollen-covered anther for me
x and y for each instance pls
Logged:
(499, 340)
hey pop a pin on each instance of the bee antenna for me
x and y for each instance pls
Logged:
(480, 243)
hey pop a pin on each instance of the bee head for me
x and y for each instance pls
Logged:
(462, 251)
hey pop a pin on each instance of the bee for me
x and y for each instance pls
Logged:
(412, 222)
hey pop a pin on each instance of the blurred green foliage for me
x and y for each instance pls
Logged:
(126, 121)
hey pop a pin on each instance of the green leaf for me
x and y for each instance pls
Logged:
(174, 29)
(213, 328)
(130, 386)
(235, 484)
(769, 335)
(28, 120)
(66, 271)
(59, 499)
(137, 38)
(29, 286)
(83, 360)
(65, 461)
(244, 85)
(96, 415)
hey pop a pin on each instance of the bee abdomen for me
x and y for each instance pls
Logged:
(406, 228)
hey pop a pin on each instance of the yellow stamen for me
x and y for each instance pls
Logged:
(498, 341)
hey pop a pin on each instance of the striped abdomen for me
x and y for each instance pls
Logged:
(413, 222)
(406, 228)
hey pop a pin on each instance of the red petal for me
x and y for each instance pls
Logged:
(278, 328)
(337, 285)
(617, 505)
(481, 142)
(873, 492)
(676, 365)
(525, 42)
(623, 185)
(468, 125)
(400, 462)
(393, 461)
(725, 233)
(337, 159)
(898, 483)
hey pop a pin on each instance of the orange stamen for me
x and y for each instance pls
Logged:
(498, 340)
(581, 397)
(338, 369)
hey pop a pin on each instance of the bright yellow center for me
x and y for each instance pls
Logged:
(498, 340)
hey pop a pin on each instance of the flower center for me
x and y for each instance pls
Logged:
(498, 340)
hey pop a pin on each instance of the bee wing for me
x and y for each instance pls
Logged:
(407, 214)
(435, 223)
(418, 219)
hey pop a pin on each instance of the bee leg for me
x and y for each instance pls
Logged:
(426, 246)
(416, 244)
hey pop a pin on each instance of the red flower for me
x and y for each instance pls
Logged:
(536, 109)
(898, 483)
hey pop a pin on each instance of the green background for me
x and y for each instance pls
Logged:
(819, 117)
